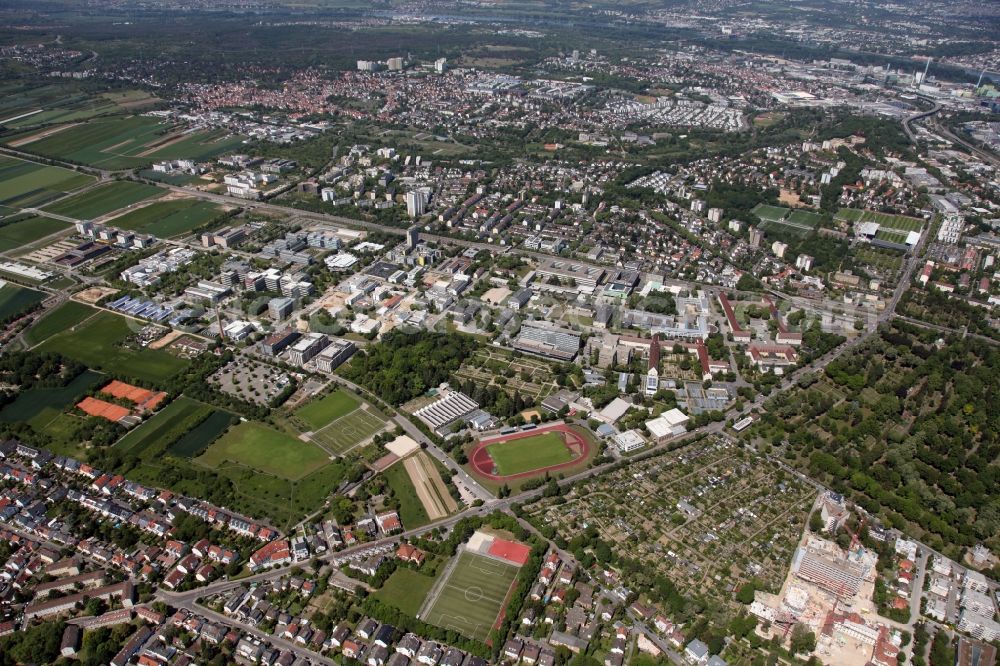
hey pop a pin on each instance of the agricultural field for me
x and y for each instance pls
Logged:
(160, 432)
(28, 104)
(472, 597)
(103, 200)
(20, 231)
(63, 318)
(710, 516)
(530, 453)
(39, 406)
(29, 185)
(411, 510)
(199, 438)
(14, 300)
(262, 448)
(100, 342)
(405, 589)
(319, 413)
(167, 218)
(427, 486)
(123, 142)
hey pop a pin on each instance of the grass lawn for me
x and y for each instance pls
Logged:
(168, 218)
(805, 217)
(406, 590)
(67, 432)
(104, 199)
(472, 596)
(347, 432)
(22, 232)
(14, 300)
(530, 453)
(769, 212)
(411, 509)
(65, 316)
(319, 413)
(97, 342)
(280, 501)
(258, 446)
(849, 214)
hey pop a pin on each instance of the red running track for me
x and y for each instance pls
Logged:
(482, 463)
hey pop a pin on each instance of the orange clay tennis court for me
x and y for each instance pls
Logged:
(142, 398)
(105, 410)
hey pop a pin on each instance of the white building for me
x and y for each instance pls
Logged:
(668, 425)
(630, 440)
(416, 202)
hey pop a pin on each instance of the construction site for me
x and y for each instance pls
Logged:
(829, 590)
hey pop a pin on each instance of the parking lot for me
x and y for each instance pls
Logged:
(251, 380)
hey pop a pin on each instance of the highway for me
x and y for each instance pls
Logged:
(985, 155)
(918, 116)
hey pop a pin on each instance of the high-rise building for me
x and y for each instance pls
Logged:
(440, 65)
(416, 203)
(756, 236)
(412, 236)
(395, 64)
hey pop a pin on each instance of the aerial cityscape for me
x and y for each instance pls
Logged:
(499, 332)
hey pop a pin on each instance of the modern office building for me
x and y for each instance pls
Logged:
(334, 354)
(306, 348)
(537, 338)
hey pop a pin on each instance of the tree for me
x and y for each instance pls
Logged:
(815, 522)
(803, 640)
(942, 651)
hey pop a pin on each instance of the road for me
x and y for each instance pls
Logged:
(917, 116)
(327, 218)
(418, 435)
(276, 641)
(671, 654)
(188, 599)
(985, 155)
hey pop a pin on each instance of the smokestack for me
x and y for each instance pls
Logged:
(218, 319)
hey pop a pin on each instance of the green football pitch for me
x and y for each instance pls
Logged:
(529, 453)
(470, 600)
